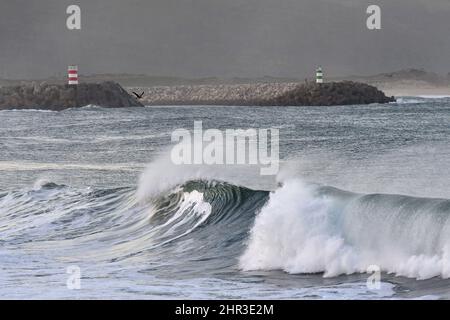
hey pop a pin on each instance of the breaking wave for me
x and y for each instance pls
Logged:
(311, 229)
(298, 228)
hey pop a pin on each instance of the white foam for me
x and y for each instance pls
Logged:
(300, 232)
(408, 100)
(434, 96)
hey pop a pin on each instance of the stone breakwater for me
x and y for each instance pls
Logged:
(266, 94)
(59, 97)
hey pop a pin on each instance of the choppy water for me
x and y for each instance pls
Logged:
(94, 189)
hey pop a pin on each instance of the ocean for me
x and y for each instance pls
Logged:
(91, 206)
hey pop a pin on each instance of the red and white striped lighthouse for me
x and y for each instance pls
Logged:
(72, 72)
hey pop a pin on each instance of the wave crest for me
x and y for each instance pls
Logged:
(306, 229)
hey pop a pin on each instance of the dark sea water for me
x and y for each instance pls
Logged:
(94, 190)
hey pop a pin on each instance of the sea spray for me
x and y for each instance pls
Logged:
(296, 232)
(162, 175)
(308, 229)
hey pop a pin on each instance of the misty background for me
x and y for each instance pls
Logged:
(222, 38)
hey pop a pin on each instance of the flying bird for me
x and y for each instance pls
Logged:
(139, 96)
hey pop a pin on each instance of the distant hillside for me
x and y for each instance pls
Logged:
(407, 75)
(409, 82)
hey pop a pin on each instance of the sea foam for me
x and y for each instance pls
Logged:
(304, 230)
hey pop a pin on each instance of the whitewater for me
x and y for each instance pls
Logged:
(359, 186)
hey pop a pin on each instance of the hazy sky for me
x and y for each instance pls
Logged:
(224, 38)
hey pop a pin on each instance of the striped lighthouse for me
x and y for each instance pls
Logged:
(72, 73)
(319, 75)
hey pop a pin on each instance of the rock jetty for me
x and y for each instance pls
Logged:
(266, 94)
(58, 97)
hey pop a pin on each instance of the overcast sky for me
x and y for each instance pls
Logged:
(224, 38)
